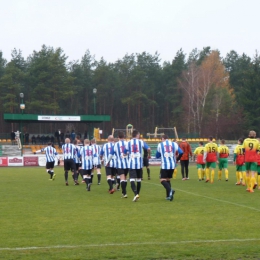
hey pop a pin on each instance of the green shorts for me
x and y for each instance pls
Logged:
(211, 165)
(258, 169)
(251, 166)
(200, 166)
(240, 168)
(222, 163)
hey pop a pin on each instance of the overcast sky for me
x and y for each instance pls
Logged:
(112, 28)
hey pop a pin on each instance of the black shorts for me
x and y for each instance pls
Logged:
(166, 174)
(69, 164)
(110, 171)
(146, 162)
(135, 173)
(50, 165)
(122, 171)
(85, 172)
(97, 166)
(78, 165)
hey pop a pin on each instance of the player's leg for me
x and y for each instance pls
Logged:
(199, 167)
(253, 176)
(99, 173)
(53, 175)
(148, 172)
(164, 181)
(48, 169)
(109, 179)
(118, 181)
(66, 170)
(225, 166)
(139, 175)
(248, 177)
(186, 168)
(133, 176)
(220, 167)
(175, 172)
(182, 170)
(238, 174)
(203, 171)
(213, 166)
(73, 169)
(207, 171)
(122, 181)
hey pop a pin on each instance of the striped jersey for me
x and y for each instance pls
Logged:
(50, 153)
(106, 151)
(76, 156)
(135, 152)
(86, 154)
(69, 150)
(167, 152)
(96, 152)
(121, 158)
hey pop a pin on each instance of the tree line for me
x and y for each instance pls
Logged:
(201, 93)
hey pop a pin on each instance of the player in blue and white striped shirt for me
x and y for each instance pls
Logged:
(166, 150)
(110, 165)
(86, 153)
(135, 163)
(69, 151)
(51, 154)
(121, 160)
(97, 161)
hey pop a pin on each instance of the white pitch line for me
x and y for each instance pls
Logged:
(130, 244)
(211, 198)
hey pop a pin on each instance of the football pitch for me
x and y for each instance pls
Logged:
(42, 219)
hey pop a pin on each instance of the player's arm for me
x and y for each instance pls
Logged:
(205, 154)
(39, 151)
(147, 148)
(158, 152)
(180, 153)
(110, 156)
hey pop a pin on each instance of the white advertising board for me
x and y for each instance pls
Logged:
(58, 118)
(15, 161)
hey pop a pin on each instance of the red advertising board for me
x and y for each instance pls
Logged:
(3, 161)
(30, 161)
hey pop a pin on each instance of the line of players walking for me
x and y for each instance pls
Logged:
(123, 157)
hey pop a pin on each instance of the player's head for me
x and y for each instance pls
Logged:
(135, 134)
(121, 135)
(222, 141)
(49, 143)
(93, 141)
(67, 140)
(110, 138)
(184, 138)
(164, 137)
(201, 143)
(240, 141)
(86, 142)
(211, 138)
(252, 134)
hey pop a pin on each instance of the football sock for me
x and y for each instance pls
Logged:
(138, 182)
(123, 187)
(66, 176)
(99, 177)
(252, 181)
(244, 178)
(125, 184)
(109, 181)
(258, 180)
(203, 173)
(199, 174)
(169, 182)
(238, 176)
(248, 184)
(167, 187)
(207, 174)
(175, 173)
(52, 172)
(212, 175)
(87, 180)
(133, 187)
(219, 175)
(226, 174)
(81, 174)
(148, 172)
(91, 178)
(73, 177)
(118, 182)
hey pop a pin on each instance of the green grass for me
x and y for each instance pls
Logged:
(205, 221)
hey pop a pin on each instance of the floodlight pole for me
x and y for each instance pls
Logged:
(22, 107)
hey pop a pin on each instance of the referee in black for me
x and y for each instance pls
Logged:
(146, 162)
(69, 151)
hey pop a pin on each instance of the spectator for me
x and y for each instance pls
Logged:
(72, 135)
(33, 139)
(26, 138)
